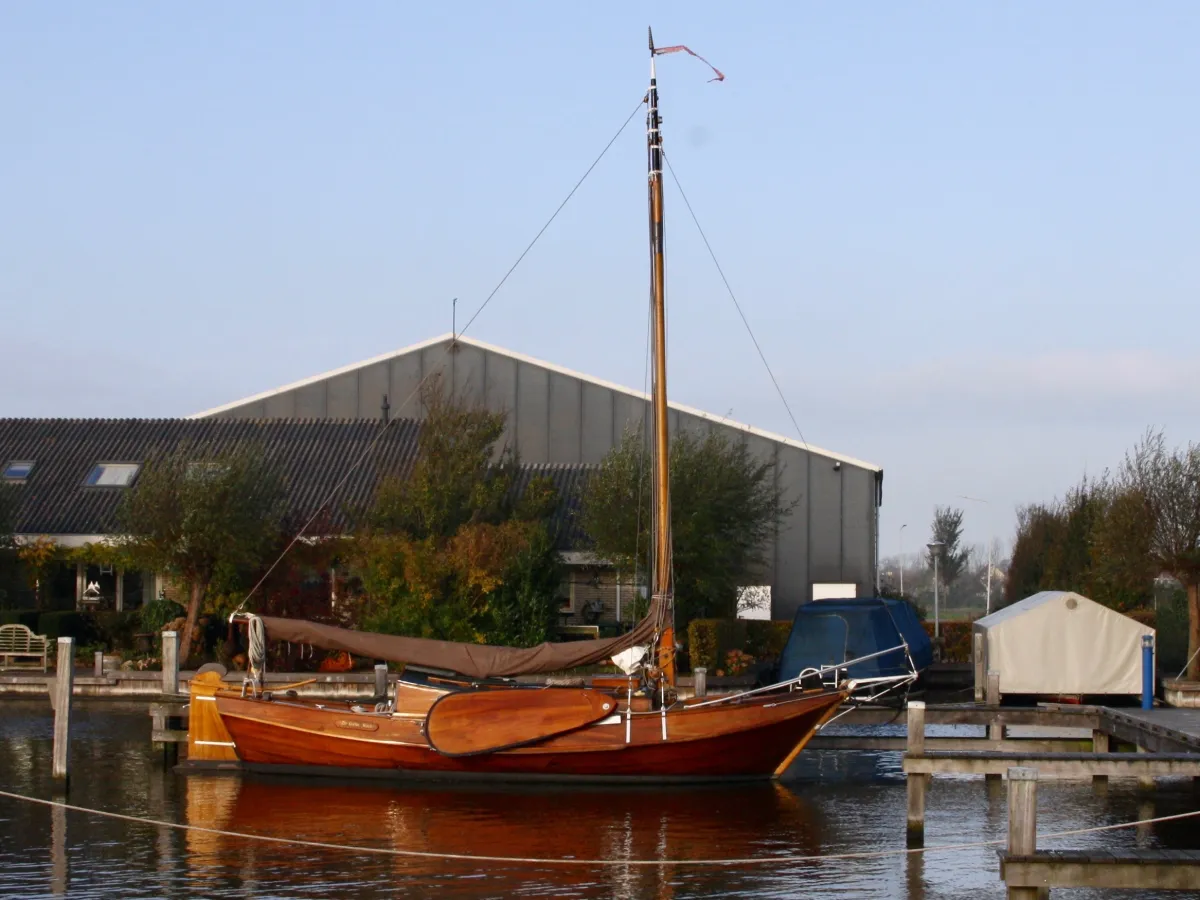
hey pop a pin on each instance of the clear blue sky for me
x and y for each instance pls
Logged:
(965, 233)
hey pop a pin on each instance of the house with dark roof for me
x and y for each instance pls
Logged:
(69, 476)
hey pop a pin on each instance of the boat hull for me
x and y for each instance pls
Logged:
(755, 738)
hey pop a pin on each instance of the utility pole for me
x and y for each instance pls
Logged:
(991, 540)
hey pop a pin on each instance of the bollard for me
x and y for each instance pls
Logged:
(381, 680)
(1147, 671)
(64, 683)
(980, 671)
(1022, 821)
(170, 662)
(700, 681)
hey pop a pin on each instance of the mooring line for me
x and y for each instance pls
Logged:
(572, 861)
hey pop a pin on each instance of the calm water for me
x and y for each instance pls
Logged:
(837, 802)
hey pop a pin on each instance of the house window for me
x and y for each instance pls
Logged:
(112, 475)
(17, 471)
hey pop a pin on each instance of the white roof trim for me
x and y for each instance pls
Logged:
(561, 370)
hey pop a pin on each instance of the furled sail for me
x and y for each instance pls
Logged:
(472, 660)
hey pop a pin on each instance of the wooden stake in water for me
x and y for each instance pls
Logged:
(64, 683)
(700, 681)
(1022, 821)
(381, 680)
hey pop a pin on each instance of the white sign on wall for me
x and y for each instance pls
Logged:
(754, 602)
(834, 591)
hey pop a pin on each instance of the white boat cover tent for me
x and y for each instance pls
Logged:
(1060, 642)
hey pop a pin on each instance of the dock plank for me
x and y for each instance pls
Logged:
(1131, 870)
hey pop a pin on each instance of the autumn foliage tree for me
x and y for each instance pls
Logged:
(458, 549)
(1163, 487)
(199, 516)
(1111, 537)
(724, 506)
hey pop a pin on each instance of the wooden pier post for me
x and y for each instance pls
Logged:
(916, 728)
(1145, 781)
(1022, 821)
(64, 684)
(980, 671)
(917, 785)
(700, 681)
(1099, 745)
(98, 664)
(995, 730)
(170, 662)
(381, 680)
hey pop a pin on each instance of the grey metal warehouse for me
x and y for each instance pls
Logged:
(555, 415)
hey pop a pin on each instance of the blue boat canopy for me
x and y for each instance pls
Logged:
(831, 632)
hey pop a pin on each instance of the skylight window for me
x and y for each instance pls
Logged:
(17, 471)
(112, 475)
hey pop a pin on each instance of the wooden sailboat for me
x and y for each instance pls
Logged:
(637, 729)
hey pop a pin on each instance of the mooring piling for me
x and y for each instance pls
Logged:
(170, 662)
(700, 681)
(980, 666)
(98, 664)
(1022, 822)
(64, 685)
(917, 784)
(381, 679)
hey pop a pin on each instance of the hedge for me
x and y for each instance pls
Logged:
(710, 640)
(1143, 616)
(26, 617)
(80, 626)
(956, 640)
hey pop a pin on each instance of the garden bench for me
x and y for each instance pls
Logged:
(18, 642)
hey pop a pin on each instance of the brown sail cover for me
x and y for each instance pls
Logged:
(472, 660)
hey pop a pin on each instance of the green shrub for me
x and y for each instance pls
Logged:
(703, 644)
(710, 641)
(157, 613)
(1171, 633)
(78, 625)
(765, 639)
(26, 617)
(956, 640)
(115, 630)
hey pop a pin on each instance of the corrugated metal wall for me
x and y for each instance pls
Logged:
(557, 417)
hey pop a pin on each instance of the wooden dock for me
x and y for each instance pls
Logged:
(1029, 873)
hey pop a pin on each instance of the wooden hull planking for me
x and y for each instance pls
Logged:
(752, 739)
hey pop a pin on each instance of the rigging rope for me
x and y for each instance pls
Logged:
(471, 857)
(432, 369)
(733, 297)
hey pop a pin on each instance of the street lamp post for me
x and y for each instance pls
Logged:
(935, 550)
(902, 527)
(990, 542)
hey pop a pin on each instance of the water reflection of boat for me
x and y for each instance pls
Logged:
(697, 822)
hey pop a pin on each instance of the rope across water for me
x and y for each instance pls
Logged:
(571, 861)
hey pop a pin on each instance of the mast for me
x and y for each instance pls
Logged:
(661, 585)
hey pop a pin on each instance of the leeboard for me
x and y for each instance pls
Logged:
(475, 722)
